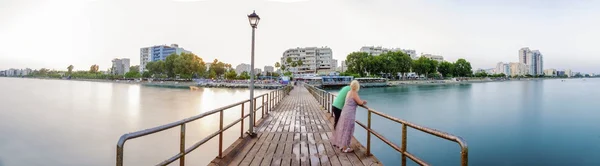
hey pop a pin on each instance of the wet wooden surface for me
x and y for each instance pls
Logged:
(296, 132)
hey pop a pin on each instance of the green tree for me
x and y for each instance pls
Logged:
(212, 74)
(94, 68)
(421, 66)
(277, 65)
(133, 74)
(481, 74)
(244, 76)
(288, 60)
(70, 69)
(462, 68)
(283, 68)
(170, 63)
(294, 64)
(156, 67)
(433, 65)
(187, 65)
(446, 69)
(146, 74)
(231, 75)
(357, 62)
(219, 67)
(135, 68)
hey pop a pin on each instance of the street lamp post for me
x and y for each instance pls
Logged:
(253, 19)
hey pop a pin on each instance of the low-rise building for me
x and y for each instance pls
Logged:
(269, 69)
(568, 73)
(257, 71)
(380, 50)
(518, 69)
(239, 69)
(438, 58)
(314, 59)
(550, 72)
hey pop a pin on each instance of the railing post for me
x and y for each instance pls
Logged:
(119, 155)
(221, 134)
(254, 112)
(263, 107)
(242, 126)
(369, 133)
(182, 145)
(403, 148)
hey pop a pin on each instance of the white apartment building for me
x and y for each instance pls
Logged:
(334, 63)
(533, 59)
(239, 69)
(343, 67)
(158, 52)
(502, 67)
(438, 58)
(550, 72)
(569, 73)
(518, 69)
(257, 71)
(314, 59)
(269, 69)
(120, 66)
(380, 50)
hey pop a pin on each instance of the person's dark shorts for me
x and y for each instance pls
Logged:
(336, 113)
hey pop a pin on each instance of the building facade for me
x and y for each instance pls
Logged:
(550, 72)
(380, 50)
(269, 69)
(518, 69)
(120, 66)
(314, 60)
(239, 69)
(533, 59)
(257, 71)
(502, 68)
(156, 53)
(568, 73)
(438, 58)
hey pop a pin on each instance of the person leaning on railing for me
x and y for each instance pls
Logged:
(338, 104)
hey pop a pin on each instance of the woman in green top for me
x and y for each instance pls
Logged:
(338, 104)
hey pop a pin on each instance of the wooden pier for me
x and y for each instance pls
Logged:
(296, 132)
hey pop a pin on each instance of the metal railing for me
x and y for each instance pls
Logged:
(273, 98)
(325, 99)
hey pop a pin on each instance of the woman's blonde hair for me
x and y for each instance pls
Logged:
(354, 85)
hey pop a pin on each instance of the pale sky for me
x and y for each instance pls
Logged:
(57, 33)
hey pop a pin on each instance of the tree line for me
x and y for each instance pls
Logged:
(387, 64)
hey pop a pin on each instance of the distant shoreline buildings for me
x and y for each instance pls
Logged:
(315, 60)
(375, 51)
(158, 52)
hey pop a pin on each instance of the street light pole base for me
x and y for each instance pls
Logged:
(252, 135)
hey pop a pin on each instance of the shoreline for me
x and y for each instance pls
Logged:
(172, 84)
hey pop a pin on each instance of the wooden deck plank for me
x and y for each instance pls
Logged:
(297, 131)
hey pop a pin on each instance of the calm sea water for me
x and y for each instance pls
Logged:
(74, 123)
(56, 122)
(545, 122)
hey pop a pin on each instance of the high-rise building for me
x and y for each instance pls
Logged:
(239, 69)
(380, 50)
(533, 59)
(334, 63)
(156, 53)
(314, 60)
(438, 58)
(120, 66)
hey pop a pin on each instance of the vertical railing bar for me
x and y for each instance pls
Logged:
(242, 126)
(369, 134)
(221, 134)
(263, 107)
(403, 148)
(254, 112)
(182, 145)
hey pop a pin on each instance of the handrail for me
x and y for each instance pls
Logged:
(326, 99)
(273, 98)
